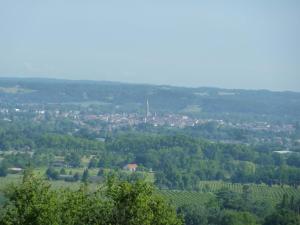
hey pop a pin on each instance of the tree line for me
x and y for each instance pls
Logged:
(179, 161)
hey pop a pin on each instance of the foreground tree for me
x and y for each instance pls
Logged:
(287, 212)
(237, 218)
(30, 203)
(136, 204)
(283, 217)
(194, 214)
(33, 202)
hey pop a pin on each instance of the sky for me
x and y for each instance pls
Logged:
(219, 43)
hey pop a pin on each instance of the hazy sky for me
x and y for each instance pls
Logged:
(233, 44)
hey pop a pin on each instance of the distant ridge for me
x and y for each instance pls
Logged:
(61, 80)
(127, 97)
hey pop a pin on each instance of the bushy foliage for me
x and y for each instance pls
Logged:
(33, 202)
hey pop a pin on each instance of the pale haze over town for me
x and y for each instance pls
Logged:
(229, 44)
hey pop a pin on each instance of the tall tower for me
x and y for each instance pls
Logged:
(147, 113)
(148, 109)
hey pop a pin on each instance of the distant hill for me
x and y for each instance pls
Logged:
(162, 98)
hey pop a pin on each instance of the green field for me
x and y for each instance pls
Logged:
(14, 90)
(179, 198)
(14, 178)
(193, 109)
(272, 194)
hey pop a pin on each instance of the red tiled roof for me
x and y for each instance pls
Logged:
(131, 166)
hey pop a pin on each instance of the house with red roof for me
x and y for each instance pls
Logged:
(131, 167)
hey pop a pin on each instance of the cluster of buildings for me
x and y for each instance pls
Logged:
(124, 119)
(118, 120)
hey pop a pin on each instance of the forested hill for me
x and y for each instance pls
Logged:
(162, 98)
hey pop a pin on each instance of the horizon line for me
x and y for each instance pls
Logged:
(138, 83)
